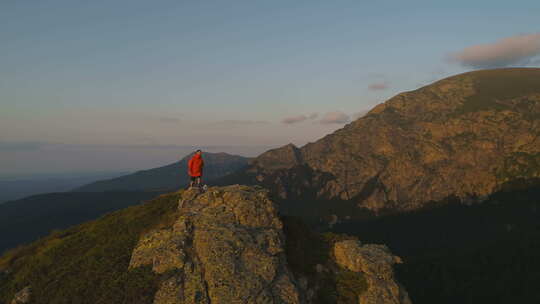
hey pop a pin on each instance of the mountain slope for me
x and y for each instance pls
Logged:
(461, 137)
(227, 245)
(25, 220)
(87, 263)
(172, 176)
(14, 189)
(483, 253)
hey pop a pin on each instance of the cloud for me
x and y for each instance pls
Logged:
(169, 120)
(239, 122)
(299, 118)
(514, 50)
(294, 119)
(313, 116)
(359, 114)
(535, 62)
(438, 72)
(378, 86)
(20, 146)
(336, 117)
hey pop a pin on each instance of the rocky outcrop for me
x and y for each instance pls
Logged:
(226, 246)
(462, 137)
(23, 296)
(375, 262)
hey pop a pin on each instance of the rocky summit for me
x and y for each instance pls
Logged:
(463, 138)
(227, 245)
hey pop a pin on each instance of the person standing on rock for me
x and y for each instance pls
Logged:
(195, 169)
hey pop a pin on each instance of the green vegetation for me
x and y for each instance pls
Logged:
(24, 221)
(494, 86)
(88, 263)
(305, 250)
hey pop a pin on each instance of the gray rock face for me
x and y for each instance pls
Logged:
(376, 263)
(226, 246)
(23, 296)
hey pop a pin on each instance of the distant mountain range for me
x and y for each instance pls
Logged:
(462, 138)
(171, 176)
(27, 219)
(17, 188)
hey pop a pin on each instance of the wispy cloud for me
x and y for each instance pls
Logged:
(514, 50)
(239, 122)
(20, 146)
(53, 146)
(535, 62)
(169, 119)
(294, 119)
(336, 117)
(378, 86)
(299, 118)
(359, 114)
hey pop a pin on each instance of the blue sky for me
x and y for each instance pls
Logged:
(87, 79)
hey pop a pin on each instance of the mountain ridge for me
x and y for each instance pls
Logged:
(227, 245)
(170, 176)
(460, 137)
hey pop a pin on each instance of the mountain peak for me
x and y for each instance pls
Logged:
(461, 137)
(287, 156)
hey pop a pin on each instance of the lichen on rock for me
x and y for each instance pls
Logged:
(162, 249)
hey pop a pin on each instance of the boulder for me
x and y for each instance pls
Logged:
(376, 263)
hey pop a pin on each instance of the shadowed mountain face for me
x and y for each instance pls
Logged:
(171, 176)
(461, 137)
(454, 253)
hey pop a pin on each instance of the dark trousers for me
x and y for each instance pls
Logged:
(195, 180)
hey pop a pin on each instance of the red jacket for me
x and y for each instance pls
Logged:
(195, 166)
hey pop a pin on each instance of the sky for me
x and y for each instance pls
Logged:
(125, 85)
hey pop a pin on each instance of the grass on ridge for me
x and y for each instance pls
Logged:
(89, 262)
